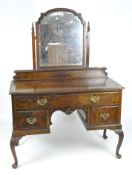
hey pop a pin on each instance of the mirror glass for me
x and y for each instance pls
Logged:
(60, 40)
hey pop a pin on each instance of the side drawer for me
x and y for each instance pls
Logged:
(31, 120)
(105, 115)
(40, 102)
(104, 98)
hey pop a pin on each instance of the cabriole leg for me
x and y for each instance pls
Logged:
(104, 134)
(121, 136)
(14, 142)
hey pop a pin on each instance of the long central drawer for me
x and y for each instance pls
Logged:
(55, 101)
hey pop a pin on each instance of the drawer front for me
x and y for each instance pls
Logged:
(107, 98)
(105, 115)
(31, 120)
(40, 102)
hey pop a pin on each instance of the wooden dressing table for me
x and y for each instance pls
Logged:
(62, 80)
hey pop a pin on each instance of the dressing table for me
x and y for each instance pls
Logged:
(61, 79)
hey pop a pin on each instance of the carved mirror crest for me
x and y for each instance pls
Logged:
(61, 40)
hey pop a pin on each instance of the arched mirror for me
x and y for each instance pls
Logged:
(61, 40)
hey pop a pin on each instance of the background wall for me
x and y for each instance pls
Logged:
(110, 46)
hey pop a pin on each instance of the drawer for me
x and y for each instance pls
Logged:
(105, 115)
(40, 102)
(104, 98)
(31, 120)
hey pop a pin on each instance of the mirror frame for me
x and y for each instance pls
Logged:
(35, 44)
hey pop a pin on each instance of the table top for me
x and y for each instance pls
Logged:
(64, 86)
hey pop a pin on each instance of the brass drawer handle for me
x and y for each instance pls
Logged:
(31, 120)
(104, 116)
(94, 99)
(42, 101)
